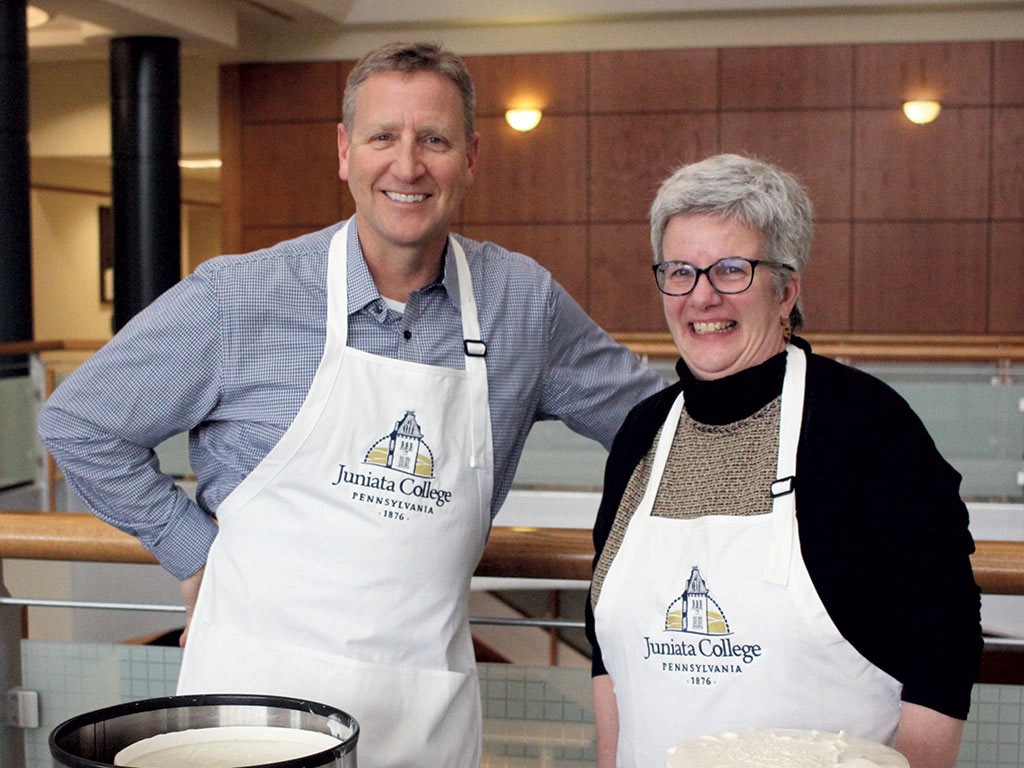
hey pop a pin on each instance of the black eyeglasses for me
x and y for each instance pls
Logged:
(732, 275)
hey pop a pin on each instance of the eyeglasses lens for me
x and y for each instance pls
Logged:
(726, 276)
(731, 275)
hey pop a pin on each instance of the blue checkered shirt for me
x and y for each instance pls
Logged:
(230, 352)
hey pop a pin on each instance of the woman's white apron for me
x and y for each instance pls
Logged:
(713, 624)
(342, 567)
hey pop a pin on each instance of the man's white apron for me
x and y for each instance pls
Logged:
(713, 624)
(342, 567)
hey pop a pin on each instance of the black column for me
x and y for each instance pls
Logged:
(15, 228)
(145, 127)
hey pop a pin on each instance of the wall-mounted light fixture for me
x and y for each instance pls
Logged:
(523, 119)
(200, 164)
(35, 17)
(921, 112)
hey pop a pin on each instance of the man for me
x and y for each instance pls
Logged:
(357, 401)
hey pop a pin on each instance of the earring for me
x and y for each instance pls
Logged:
(787, 330)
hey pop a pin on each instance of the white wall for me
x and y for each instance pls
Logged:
(65, 266)
(69, 108)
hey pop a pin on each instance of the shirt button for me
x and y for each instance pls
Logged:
(407, 334)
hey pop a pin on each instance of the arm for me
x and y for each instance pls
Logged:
(159, 376)
(592, 382)
(606, 721)
(911, 523)
(928, 739)
(189, 595)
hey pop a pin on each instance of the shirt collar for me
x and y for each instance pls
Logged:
(362, 291)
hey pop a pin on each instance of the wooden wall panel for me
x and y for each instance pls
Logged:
(934, 171)
(1008, 73)
(255, 238)
(524, 178)
(630, 155)
(1008, 163)
(920, 277)
(1006, 278)
(818, 76)
(290, 175)
(553, 82)
(289, 91)
(952, 73)
(653, 81)
(919, 228)
(814, 145)
(344, 70)
(623, 294)
(559, 248)
(231, 198)
(825, 288)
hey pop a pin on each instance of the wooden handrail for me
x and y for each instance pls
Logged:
(548, 553)
(923, 347)
(70, 536)
(27, 347)
(860, 346)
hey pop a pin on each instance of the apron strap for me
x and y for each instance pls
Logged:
(668, 436)
(783, 492)
(475, 350)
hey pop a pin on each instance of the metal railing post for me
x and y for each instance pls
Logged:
(38, 374)
(12, 739)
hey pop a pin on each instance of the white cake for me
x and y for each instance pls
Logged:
(224, 747)
(782, 748)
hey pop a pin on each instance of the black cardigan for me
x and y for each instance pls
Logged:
(882, 527)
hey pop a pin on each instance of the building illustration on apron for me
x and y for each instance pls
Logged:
(403, 449)
(695, 610)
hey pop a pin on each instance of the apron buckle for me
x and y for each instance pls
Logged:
(475, 347)
(782, 486)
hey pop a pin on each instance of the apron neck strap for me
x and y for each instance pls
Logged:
(783, 490)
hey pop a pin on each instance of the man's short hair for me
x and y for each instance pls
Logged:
(407, 58)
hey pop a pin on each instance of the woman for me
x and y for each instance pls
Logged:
(779, 542)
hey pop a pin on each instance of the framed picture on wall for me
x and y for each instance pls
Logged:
(106, 254)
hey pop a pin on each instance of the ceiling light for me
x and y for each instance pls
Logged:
(200, 164)
(921, 112)
(35, 17)
(523, 119)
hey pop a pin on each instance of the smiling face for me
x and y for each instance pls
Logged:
(720, 334)
(407, 161)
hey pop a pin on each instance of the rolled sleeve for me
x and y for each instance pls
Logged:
(158, 377)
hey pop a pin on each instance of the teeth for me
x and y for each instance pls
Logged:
(716, 327)
(398, 197)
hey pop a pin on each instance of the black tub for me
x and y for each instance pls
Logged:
(91, 740)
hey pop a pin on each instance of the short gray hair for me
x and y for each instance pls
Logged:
(758, 195)
(408, 58)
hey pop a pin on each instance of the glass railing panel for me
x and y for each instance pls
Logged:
(19, 447)
(973, 412)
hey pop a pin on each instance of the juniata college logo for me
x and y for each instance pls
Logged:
(695, 610)
(402, 450)
(712, 658)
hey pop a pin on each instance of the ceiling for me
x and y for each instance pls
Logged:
(233, 29)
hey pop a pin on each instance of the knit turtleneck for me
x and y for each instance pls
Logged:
(735, 397)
